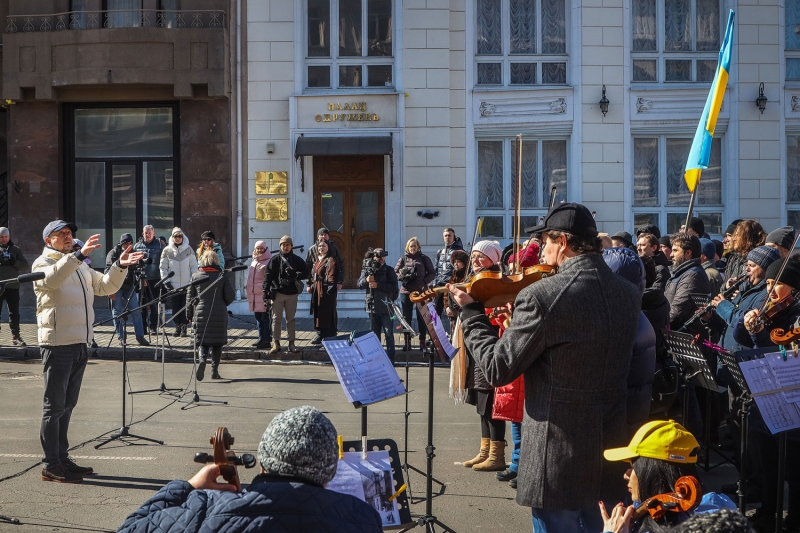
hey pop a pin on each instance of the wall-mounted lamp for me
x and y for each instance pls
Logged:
(761, 101)
(604, 102)
(270, 148)
(428, 213)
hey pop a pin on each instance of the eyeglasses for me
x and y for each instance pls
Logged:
(177, 236)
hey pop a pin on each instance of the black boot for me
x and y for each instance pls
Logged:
(216, 355)
(201, 370)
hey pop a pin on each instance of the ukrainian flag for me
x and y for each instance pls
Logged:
(701, 146)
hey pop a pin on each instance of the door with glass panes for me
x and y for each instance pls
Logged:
(348, 200)
(123, 172)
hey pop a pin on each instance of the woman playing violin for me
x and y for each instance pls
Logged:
(659, 454)
(486, 256)
(753, 330)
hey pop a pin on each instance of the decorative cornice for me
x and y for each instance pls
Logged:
(672, 102)
(523, 106)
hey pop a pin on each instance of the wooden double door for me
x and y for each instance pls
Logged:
(348, 200)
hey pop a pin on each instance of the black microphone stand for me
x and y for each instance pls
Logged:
(428, 520)
(124, 429)
(196, 399)
(161, 340)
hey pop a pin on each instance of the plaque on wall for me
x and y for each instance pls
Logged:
(272, 209)
(272, 182)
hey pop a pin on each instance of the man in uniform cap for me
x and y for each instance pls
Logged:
(563, 474)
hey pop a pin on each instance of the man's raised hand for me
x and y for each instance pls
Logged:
(129, 258)
(91, 244)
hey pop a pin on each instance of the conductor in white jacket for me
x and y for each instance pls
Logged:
(64, 316)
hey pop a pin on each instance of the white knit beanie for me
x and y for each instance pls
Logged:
(490, 249)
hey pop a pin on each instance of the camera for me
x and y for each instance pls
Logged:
(370, 266)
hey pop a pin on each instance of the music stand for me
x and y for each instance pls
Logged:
(407, 328)
(700, 299)
(694, 367)
(728, 359)
(432, 347)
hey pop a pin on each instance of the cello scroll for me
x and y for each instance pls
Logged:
(225, 458)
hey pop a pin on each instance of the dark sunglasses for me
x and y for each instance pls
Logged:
(207, 239)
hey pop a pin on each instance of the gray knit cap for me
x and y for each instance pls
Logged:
(300, 442)
(763, 256)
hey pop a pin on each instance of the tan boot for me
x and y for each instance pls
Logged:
(482, 455)
(496, 460)
(276, 348)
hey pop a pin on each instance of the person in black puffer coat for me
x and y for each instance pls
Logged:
(415, 272)
(210, 313)
(298, 455)
(627, 264)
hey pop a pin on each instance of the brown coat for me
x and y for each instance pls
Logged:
(323, 293)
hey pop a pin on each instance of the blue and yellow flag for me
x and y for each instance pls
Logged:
(700, 153)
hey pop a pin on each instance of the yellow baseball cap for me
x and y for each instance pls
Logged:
(661, 439)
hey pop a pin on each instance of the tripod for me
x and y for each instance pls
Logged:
(196, 399)
(161, 341)
(428, 520)
(123, 431)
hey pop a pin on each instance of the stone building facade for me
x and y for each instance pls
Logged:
(453, 82)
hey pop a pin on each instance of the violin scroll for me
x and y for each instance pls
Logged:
(686, 497)
(224, 457)
(782, 337)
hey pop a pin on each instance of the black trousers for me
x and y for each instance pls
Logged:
(214, 353)
(11, 298)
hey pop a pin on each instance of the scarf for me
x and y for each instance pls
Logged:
(458, 366)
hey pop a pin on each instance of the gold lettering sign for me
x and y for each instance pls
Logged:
(272, 209)
(350, 112)
(272, 182)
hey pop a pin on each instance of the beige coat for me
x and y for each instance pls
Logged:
(64, 298)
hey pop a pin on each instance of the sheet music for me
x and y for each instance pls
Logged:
(365, 372)
(370, 480)
(787, 373)
(441, 335)
(778, 414)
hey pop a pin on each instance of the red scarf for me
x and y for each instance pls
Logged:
(210, 269)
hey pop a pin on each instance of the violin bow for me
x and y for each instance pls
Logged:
(518, 210)
(785, 261)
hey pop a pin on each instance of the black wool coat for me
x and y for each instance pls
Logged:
(210, 313)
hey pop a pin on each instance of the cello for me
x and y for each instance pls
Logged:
(225, 458)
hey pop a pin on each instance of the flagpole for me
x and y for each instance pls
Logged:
(689, 214)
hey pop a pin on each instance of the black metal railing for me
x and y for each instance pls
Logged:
(132, 18)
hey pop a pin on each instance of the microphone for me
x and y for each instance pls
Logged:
(197, 281)
(237, 268)
(164, 279)
(25, 278)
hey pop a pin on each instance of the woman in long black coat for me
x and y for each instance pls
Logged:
(210, 313)
(322, 287)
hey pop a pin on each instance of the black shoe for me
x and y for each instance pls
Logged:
(506, 475)
(215, 374)
(16, 340)
(70, 466)
(317, 339)
(177, 332)
(60, 474)
(263, 345)
(513, 483)
(142, 341)
(185, 331)
(201, 371)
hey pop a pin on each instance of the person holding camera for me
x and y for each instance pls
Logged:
(127, 298)
(152, 248)
(282, 285)
(12, 263)
(415, 272)
(380, 281)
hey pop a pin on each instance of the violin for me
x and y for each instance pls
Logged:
(493, 289)
(225, 458)
(773, 311)
(686, 497)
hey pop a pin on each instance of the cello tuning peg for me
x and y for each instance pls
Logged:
(669, 505)
(201, 457)
(248, 460)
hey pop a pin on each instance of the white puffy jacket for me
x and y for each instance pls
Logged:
(64, 298)
(180, 260)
